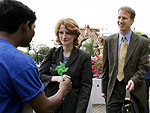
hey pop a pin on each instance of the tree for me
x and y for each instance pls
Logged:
(88, 46)
(38, 51)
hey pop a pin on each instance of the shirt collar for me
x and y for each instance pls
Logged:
(4, 40)
(128, 36)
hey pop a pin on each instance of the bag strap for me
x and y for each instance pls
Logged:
(128, 95)
(44, 69)
(133, 106)
(53, 53)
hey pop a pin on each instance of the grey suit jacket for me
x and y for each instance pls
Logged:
(136, 65)
(80, 70)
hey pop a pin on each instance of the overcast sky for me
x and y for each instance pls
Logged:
(95, 13)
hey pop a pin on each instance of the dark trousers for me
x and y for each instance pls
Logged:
(147, 91)
(117, 97)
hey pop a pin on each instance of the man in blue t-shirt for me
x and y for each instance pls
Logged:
(19, 77)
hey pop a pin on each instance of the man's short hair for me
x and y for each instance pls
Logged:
(129, 10)
(13, 13)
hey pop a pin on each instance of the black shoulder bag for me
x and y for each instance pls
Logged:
(129, 105)
(44, 69)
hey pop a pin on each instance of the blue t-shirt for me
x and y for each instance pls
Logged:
(19, 78)
(65, 59)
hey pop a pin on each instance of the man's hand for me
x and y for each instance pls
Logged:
(42, 104)
(65, 85)
(130, 85)
(104, 95)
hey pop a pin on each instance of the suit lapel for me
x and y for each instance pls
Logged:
(73, 57)
(115, 47)
(132, 46)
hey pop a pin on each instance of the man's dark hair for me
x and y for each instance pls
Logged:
(14, 13)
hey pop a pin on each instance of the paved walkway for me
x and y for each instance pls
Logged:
(101, 108)
(98, 108)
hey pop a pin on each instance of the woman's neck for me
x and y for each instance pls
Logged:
(67, 50)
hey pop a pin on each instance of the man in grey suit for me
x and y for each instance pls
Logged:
(134, 68)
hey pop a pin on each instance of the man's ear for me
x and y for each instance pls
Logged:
(132, 21)
(25, 26)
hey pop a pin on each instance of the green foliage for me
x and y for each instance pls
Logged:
(89, 46)
(43, 50)
(139, 33)
(39, 52)
(24, 52)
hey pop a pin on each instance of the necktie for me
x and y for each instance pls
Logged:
(122, 56)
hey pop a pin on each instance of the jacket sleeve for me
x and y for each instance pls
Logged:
(105, 77)
(44, 70)
(85, 87)
(143, 64)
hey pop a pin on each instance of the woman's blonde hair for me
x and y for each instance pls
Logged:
(71, 26)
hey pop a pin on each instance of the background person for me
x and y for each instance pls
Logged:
(19, 78)
(79, 64)
(147, 80)
(134, 68)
